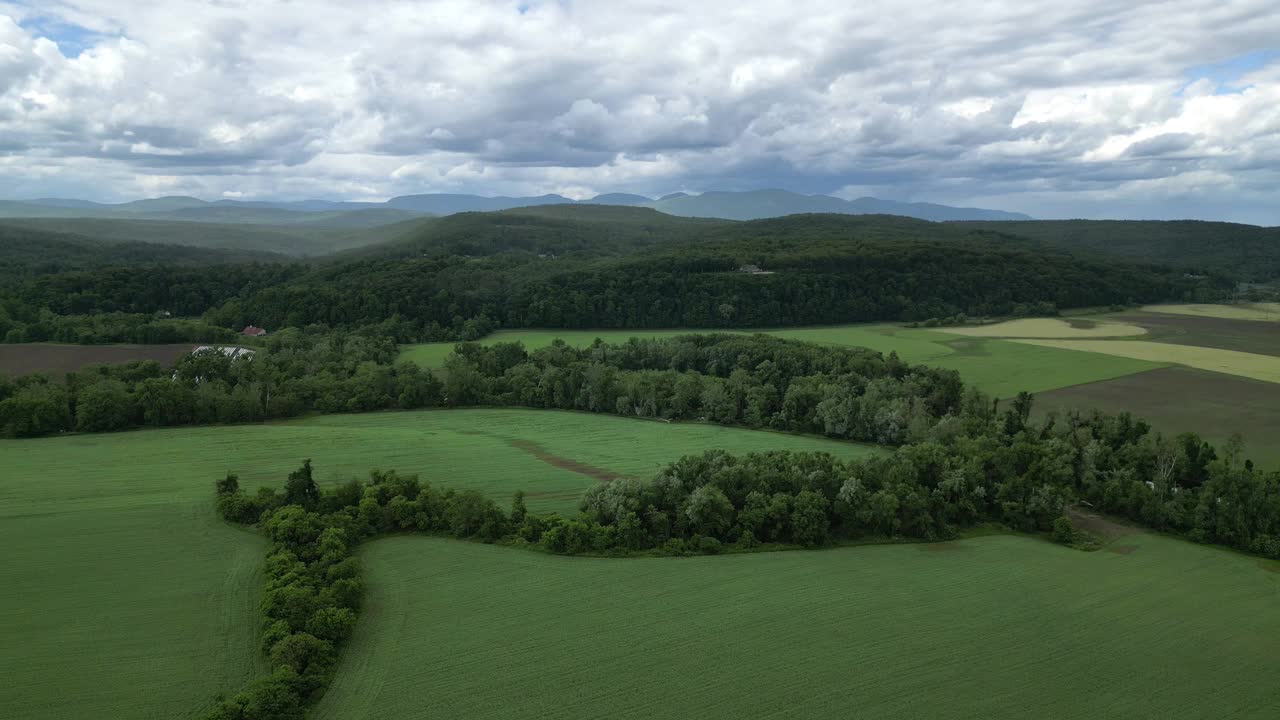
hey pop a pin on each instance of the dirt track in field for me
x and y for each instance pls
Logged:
(57, 360)
(564, 463)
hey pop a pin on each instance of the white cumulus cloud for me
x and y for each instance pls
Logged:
(1089, 108)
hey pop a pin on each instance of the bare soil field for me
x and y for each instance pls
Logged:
(56, 359)
(1178, 399)
(1240, 335)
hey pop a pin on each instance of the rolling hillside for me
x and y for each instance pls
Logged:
(28, 252)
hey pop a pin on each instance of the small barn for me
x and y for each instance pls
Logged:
(253, 331)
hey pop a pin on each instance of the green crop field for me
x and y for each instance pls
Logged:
(994, 627)
(999, 367)
(124, 595)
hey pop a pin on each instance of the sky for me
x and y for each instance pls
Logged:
(1087, 108)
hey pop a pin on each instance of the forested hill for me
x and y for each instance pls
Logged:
(26, 252)
(1247, 251)
(564, 232)
(460, 277)
(619, 267)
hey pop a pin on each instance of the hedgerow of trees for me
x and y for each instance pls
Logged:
(292, 372)
(956, 445)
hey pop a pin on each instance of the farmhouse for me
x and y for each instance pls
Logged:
(253, 331)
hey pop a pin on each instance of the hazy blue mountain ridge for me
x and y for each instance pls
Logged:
(748, 205)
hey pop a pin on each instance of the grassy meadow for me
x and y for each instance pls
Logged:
(993, 627)
(999, 367)
(125, 596)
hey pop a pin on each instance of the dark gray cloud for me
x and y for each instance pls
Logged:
(1089, 108)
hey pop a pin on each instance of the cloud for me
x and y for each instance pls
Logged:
(1084, 108)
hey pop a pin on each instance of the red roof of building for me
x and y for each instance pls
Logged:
(254, 331)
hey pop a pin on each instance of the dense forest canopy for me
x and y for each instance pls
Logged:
(1248, 251)
(28, 253)
(290, 240)
(629, 267)
(583, 266)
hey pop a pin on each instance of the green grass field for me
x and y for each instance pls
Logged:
(123, 595)
(994, 627)
(999, 367)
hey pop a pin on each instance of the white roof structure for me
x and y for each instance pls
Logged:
(232, 352)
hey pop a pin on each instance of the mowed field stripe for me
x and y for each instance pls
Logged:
(1230, 362)
(1001, 627)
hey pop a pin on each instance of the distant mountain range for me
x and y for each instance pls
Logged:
(750, 205)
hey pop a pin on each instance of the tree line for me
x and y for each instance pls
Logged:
(962, 457)
(291, 373)
(956, 444)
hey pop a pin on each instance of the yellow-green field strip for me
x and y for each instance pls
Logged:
(1230, 362)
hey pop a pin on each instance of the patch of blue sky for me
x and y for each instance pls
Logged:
(71, 39)
(1227, 76)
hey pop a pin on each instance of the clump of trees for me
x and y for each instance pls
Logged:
(100, 328)
(758, 381)
(313, 583)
